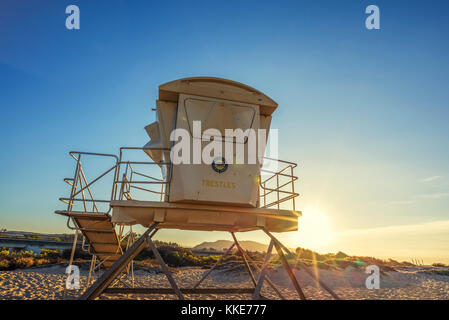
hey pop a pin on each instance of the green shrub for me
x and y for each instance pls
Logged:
(50, 254)
(23, 254)
(176, 256)
(4, 264)
(439, 265)
(79, 254)
(23, 262)
(39, 262)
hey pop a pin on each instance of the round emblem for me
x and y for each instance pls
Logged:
(219, 165)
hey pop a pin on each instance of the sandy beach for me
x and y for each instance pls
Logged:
(412, 283)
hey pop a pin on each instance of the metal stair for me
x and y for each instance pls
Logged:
(99, 232)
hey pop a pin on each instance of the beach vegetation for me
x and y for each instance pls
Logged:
(21, 259)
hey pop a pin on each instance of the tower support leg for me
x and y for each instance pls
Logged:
(110, 274)
(92, 268)
(259, 285)
(304, 267)
(289, 271)
(214, 266)
(165, 269)
(242, 253)
(72, 257)
(266, 278)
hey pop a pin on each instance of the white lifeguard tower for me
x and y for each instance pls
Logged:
(218, 196)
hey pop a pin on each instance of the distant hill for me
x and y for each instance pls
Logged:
(221, 245)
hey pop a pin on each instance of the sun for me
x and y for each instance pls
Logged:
(314, 230)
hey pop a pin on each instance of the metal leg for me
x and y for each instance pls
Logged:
(92, 267)
(266, 277)
(132, 261)
(242, 253)
(165, 269)
(94, 272)
(72, 256)
(289, 271)
(305, 268)
(256, 294)
(214, 265)
(110, 274)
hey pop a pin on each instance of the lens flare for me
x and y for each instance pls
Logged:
(314, 230)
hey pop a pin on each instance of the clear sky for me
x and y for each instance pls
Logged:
(364, 112)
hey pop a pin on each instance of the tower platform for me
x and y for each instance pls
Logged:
(186, 216)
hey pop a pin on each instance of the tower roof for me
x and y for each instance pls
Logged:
(217, 88)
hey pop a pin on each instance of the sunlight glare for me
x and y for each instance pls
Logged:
(314, 230)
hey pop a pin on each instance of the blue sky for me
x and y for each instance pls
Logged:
(364, 112)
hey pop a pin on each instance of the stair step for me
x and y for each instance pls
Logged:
(84, 215)
(106, 253)
(97, 230)
(100, 234)
(102, 243)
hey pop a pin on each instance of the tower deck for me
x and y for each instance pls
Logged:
(188, 216)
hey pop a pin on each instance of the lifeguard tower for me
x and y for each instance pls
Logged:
(164, 194)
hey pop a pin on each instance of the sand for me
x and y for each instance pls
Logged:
(413, 283)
